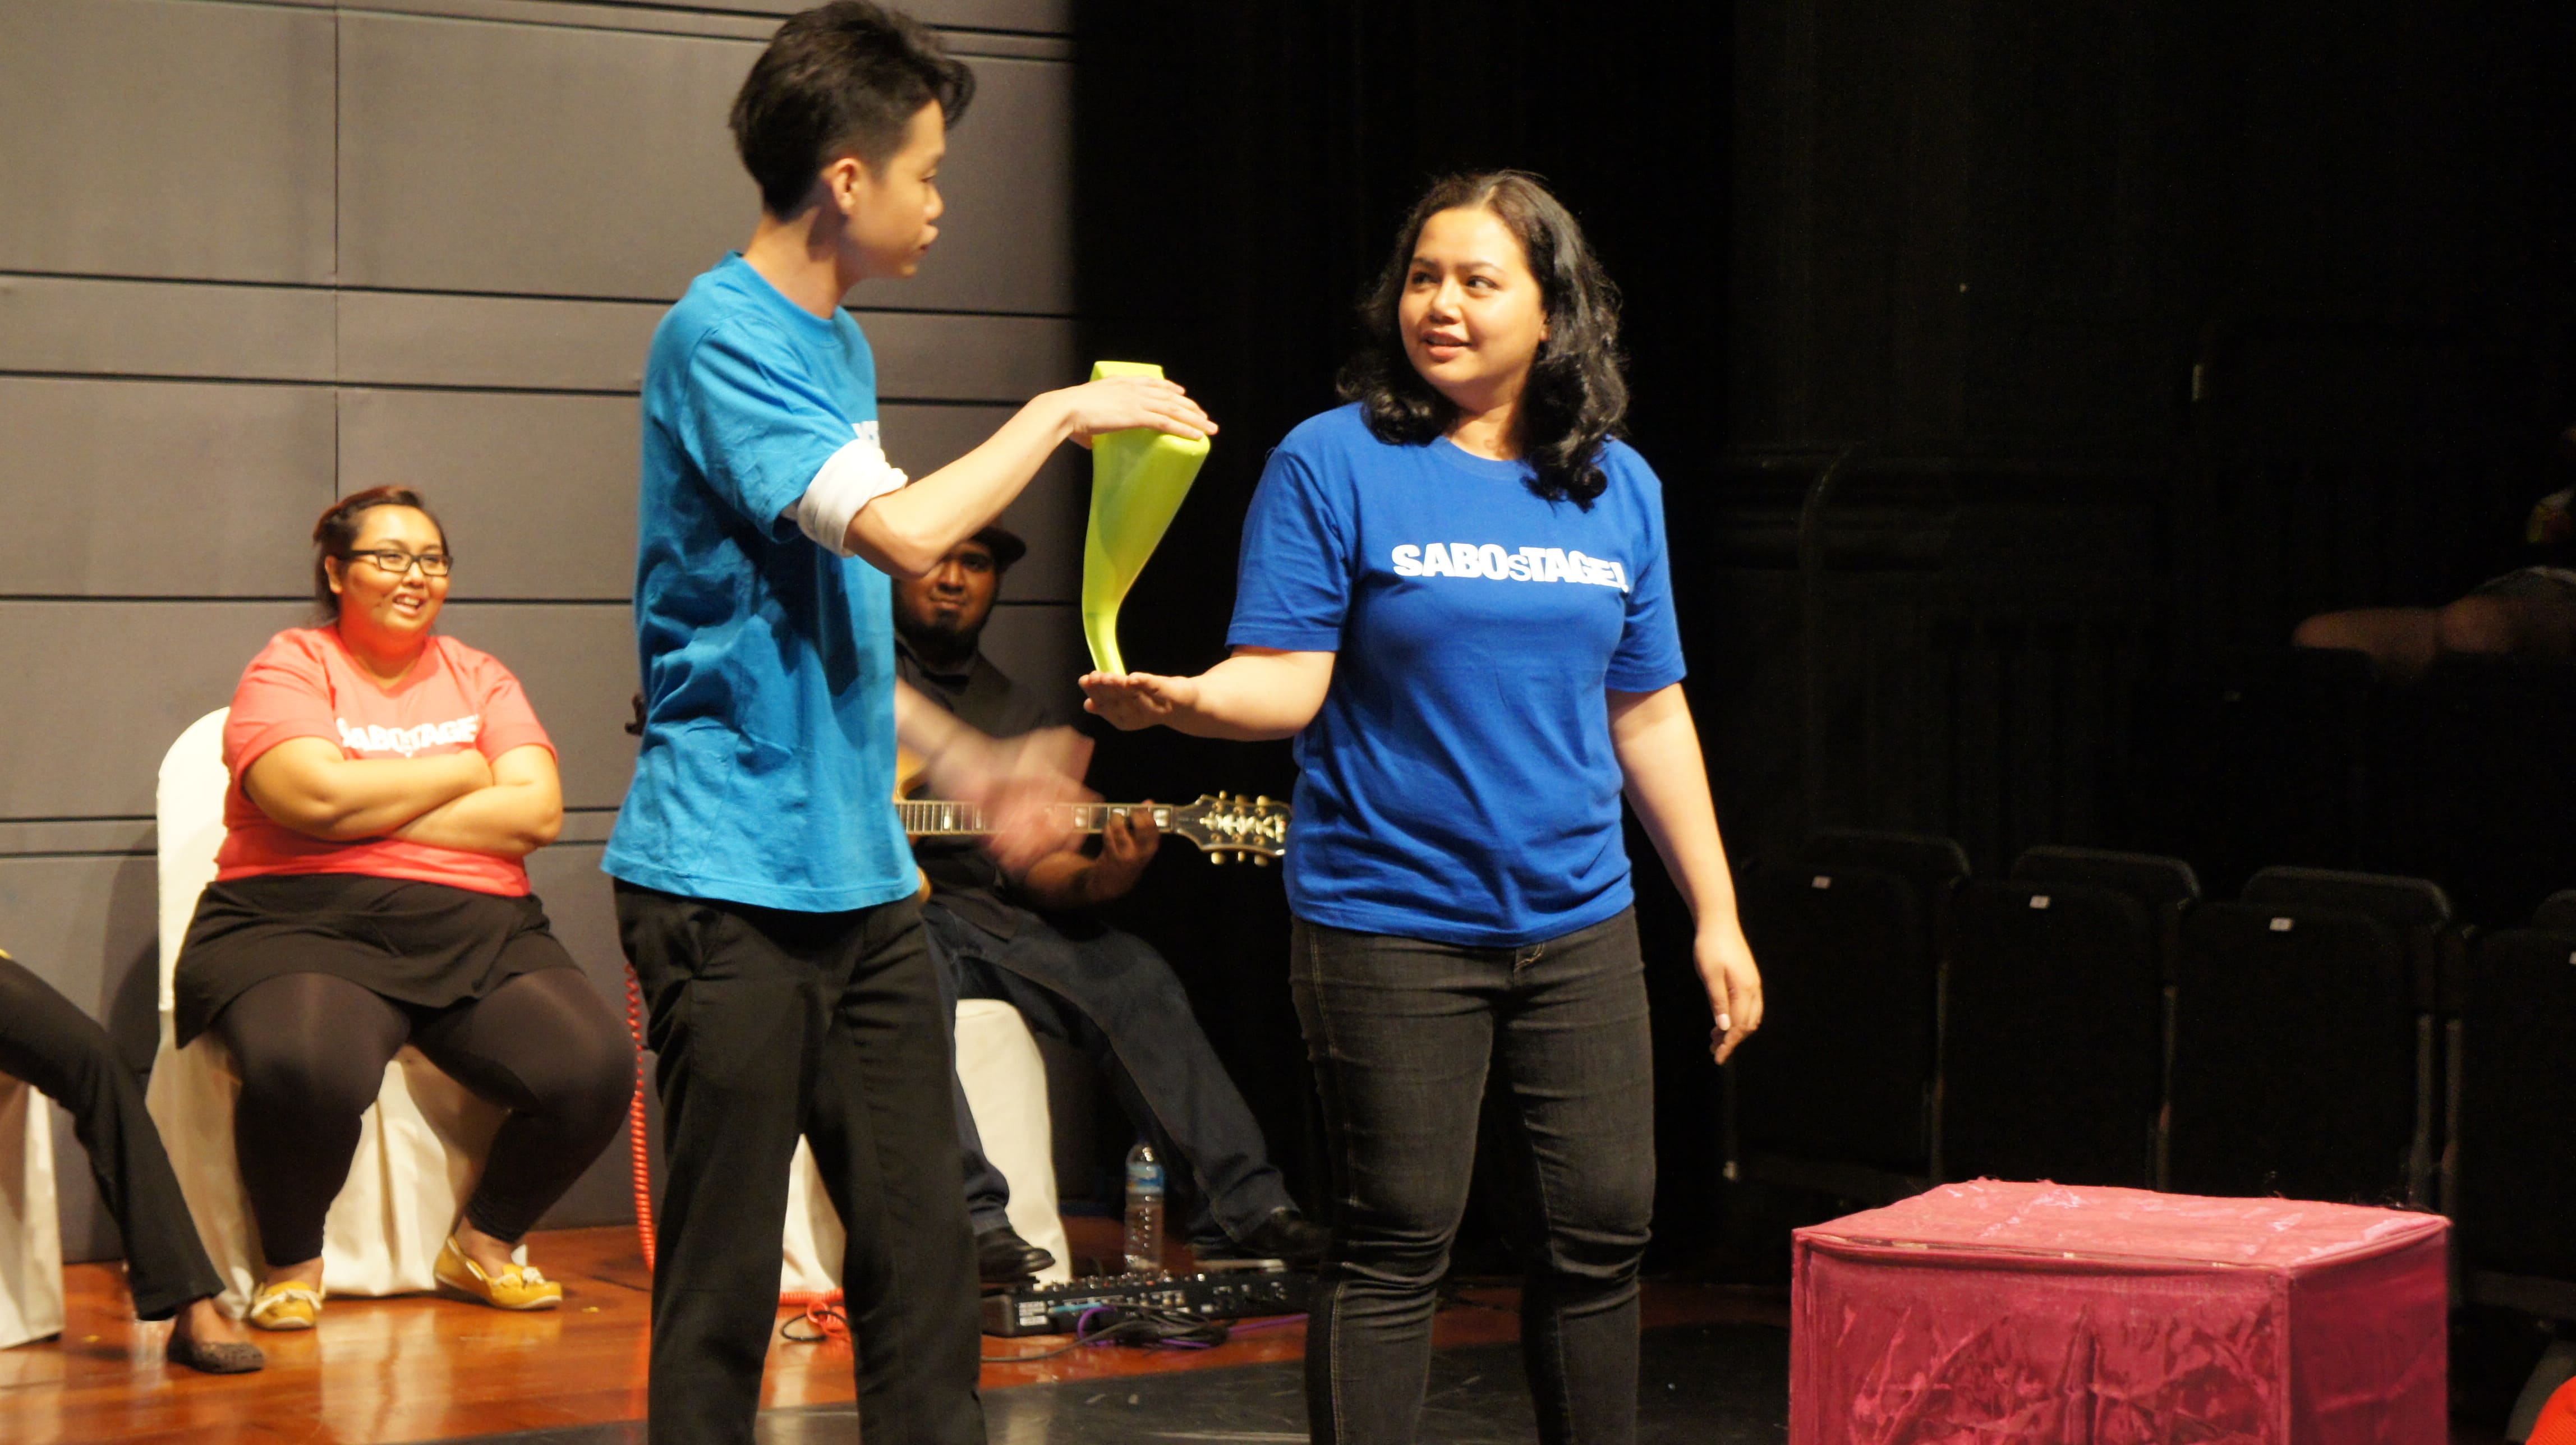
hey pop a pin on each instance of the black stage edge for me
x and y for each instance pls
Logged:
(1698, 1385)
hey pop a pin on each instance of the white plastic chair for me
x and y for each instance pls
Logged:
(1005, 1083)
(31, 1238)
(420, 1149)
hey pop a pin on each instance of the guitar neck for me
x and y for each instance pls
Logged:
(937, 818)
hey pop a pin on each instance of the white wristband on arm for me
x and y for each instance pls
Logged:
(854, 476)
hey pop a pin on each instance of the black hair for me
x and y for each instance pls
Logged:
(1576, 397)
(336, 531)
(840, 79)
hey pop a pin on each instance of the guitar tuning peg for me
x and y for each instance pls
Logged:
(1260, 860)
(1262, 801)
(1217, 858)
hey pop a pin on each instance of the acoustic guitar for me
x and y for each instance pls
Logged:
(1221, 826)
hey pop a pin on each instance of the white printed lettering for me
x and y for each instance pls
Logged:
(1492, 560)
(376, 738)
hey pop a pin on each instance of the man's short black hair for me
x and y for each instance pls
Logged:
(840, 79)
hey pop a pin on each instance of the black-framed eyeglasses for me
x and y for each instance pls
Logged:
(394, 562)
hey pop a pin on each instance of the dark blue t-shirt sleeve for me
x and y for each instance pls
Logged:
(756, 422)
(1292, 584)
(1649, 655)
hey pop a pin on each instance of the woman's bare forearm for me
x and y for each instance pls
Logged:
(1667, 784)
(521, 812)
(1256, 695)
(308, 785)
(509, 820)
(906, 532)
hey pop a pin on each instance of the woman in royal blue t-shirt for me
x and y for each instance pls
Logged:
(1454, 595)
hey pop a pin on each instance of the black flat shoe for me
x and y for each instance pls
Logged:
(213, 1358)
(1002, 1257)
(1283, 1234)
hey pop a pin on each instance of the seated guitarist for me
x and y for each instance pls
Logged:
(1105, 992)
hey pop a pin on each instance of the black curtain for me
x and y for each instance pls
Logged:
(1241, 168)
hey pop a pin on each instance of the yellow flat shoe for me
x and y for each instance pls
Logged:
(519, 1287)
(285, 1307)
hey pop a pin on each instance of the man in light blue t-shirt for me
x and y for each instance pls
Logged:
(764, 889)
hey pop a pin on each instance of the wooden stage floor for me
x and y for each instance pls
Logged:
(379, 1372)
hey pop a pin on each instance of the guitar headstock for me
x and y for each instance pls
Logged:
(1239, 827)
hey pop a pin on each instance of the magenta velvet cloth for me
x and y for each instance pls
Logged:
(1988, 1312)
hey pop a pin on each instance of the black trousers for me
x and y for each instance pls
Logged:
(1414, 1043)
(770, 1024)
(47, 1041)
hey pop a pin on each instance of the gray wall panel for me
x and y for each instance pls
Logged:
(219, 114)
(538, 492)
(98, 691)
(577, 661)
(440, 188)
(220, 483)
(534, 161)
(423, 340)
(523, 344)
(968, 358)
(1049, 516)
(87, 926)
(148, 328)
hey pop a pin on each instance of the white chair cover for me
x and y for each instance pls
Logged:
(420, 1148)
(31, 1237)
(1006, 1087)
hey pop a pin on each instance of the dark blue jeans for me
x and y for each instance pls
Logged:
(1112, 997)
(1412, 1042)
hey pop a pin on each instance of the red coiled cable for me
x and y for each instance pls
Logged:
(635, 1125)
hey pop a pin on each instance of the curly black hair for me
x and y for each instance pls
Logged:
(1576, 397)
(840, 79)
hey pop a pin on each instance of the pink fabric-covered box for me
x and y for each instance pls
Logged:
(1991, 1312)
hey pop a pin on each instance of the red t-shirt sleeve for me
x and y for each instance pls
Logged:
(284, 693)
(508, 721)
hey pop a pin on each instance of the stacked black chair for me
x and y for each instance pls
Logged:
(2516, 1135)
(2304, 1039)
(2053, 1053)
(1837, 1093)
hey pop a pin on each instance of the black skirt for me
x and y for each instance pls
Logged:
(425, 944)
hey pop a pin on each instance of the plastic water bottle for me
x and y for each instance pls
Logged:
(1144, 1210)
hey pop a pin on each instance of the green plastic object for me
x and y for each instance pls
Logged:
(1138, 479)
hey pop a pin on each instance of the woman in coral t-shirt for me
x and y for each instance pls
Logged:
(370, 893)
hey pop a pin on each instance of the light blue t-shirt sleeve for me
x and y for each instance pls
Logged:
(1292, 584)
(756, 422)
(1649, 655)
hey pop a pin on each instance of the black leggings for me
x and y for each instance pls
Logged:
(312, 1050)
